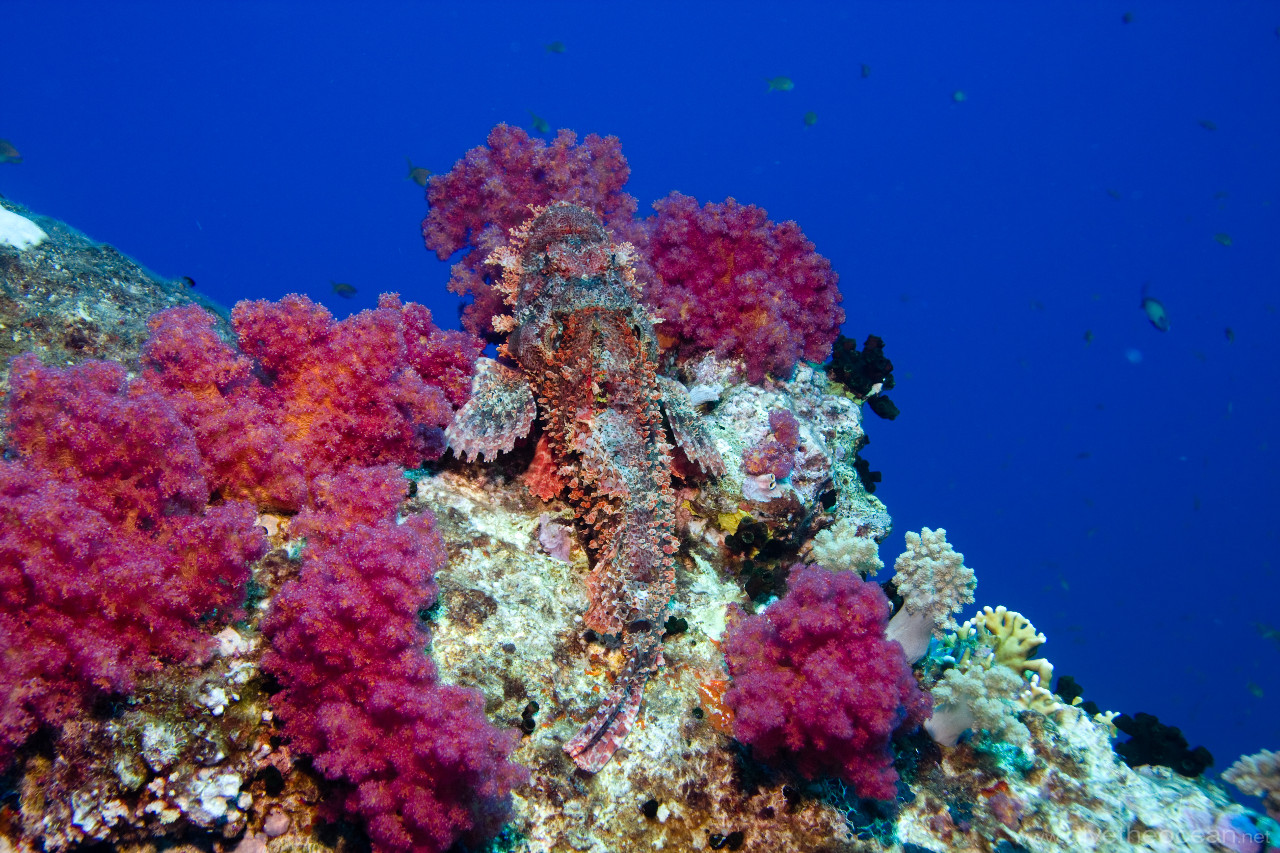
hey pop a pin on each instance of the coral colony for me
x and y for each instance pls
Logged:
(300, 583)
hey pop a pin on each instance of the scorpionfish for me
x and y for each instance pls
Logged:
(582, 361)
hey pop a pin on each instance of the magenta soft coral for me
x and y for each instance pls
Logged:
(488, 192)
(817, 685)
(375, 388)
(217, 394)
(344, 392)
(109, 556)
(422, 765)
(730, 280)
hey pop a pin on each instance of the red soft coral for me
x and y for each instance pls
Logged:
(728, 279)
(317, 394)
(422, 765)
(488, 192)
(816, 683)
(125, 449)
(217, 394)
(109, 557)
(444, 357)
(343, 392)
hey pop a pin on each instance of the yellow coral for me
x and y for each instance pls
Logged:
(1012, 637)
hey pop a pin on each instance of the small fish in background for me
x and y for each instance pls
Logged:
(1254, 689)
(1267, 632)
(779, 84)
(417, 174)
(1114, 194)
(1221, 194)
(1127, 18)
(188, 281)
(1036, 305)
(1088, 336)
(1224, 239)
(959, 96)
(1155, 311)
(810, 118)
(1230, 335)
(346, 291)
(539, 123)
(1207, 124)
(556, 47)
(9, 154)
(866, 71)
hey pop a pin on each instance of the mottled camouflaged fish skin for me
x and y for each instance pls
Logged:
(587, 370)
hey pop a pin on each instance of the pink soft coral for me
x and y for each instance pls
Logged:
(109, 557)
(488, 192)
(217, 394)
(730, 280)
(343, 392)
(816, 683)
(317, 394)
(421, 763)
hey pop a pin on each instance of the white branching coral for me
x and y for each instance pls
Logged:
(840, 548)
(934, 584)
(1258, 775)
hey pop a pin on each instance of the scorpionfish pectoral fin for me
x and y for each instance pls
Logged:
(593, 746)
(687, 428)
(500, 412)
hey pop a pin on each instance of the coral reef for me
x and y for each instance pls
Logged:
(70, 299)
(410, 664)
(110, 557)
(346, 648)
(727, 279)
(817, 685)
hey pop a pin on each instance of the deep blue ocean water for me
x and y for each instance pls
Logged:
(1120, 491)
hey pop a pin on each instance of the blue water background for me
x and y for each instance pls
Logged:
(1120, 493)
